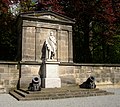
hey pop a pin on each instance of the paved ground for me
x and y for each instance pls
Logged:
(98, 101)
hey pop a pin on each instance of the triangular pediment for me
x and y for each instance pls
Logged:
(48, 16)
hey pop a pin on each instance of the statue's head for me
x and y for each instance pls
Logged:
(51, 33)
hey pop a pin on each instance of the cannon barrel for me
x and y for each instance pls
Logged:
(35, 85)
(90, 79)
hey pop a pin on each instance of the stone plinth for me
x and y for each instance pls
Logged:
(51, 75)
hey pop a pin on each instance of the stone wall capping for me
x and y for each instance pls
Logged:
(66, 63)
(52, 62)
(95, 64)
(88, 64)
(31, 62)
(8, 62)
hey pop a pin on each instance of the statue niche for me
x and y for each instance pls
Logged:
(49, 47)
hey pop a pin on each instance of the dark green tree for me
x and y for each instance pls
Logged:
(95, 34)
(94, 30)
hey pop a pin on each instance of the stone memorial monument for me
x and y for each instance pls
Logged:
(46, 42)
(46, 53)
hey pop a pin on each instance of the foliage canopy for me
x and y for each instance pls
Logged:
(96, 32)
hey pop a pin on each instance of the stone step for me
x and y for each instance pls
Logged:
(17, 96)
(23, 94)
(57, 90)
(2, 91)
(56, 93)
(43, 94)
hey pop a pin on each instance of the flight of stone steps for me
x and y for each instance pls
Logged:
(2, 90)
(57, 93)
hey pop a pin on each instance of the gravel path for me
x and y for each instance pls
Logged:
(95, 101)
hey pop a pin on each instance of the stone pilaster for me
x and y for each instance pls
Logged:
(70, 47)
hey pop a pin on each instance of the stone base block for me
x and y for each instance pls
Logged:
(51, 83)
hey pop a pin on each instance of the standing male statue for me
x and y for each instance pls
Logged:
(51, 46)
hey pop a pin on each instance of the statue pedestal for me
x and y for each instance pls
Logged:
(50, 75)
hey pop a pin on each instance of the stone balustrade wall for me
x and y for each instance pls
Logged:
(9, 75)
(107, 74)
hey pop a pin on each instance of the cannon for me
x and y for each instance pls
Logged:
(35, 85)
(89, 83)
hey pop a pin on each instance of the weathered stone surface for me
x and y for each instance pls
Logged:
(35, 32)
(73, 74)
(8, 74)
(67, 80)
(1, 70)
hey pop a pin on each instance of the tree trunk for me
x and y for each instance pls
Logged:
(87, 53)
